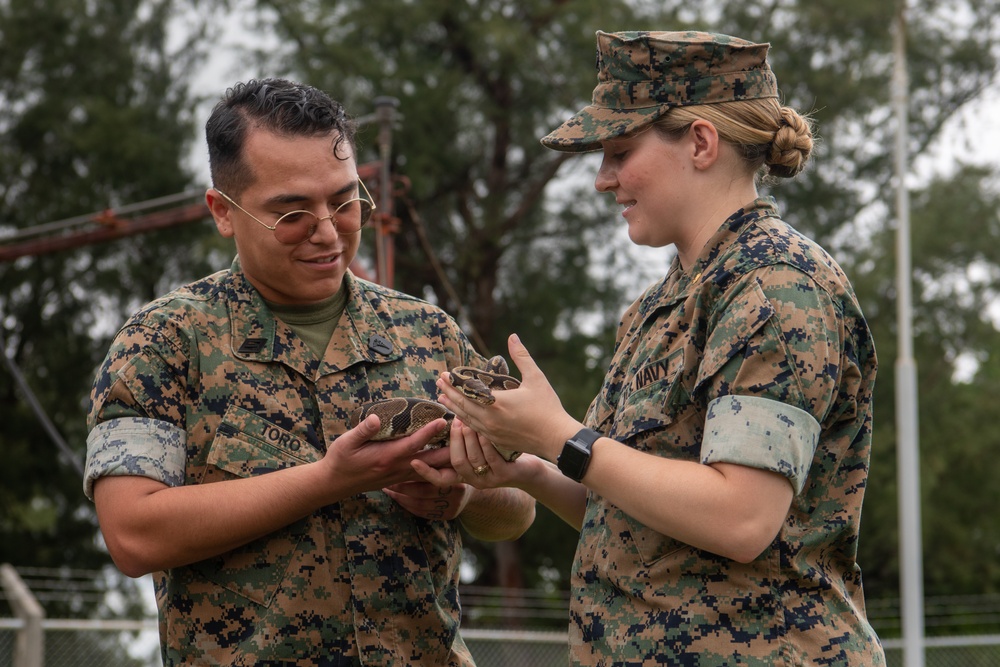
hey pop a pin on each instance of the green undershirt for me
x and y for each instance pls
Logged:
(313, 323)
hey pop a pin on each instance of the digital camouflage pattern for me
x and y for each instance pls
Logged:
(643, 74)
(758, 355)
(209, 386)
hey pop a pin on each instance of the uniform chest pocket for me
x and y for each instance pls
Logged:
(746, 315)
(650, 544)
(658, 401)
(628, 547)
(656, 398)
(247, 445)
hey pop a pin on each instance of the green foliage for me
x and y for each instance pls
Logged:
(93, 115)
(523, 243)
(955, 231)
(480, 82)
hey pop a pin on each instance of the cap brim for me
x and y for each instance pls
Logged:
(588, 128)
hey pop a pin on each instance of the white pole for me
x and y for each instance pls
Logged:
(907, 447)
(29, 650)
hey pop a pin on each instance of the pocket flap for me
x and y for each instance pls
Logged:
(655, 396)
(247, 445)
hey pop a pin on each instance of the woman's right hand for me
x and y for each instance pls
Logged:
(471, 451)
(529, 419)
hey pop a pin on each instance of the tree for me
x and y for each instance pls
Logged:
(480, 82)
(836, 57)
(955, 225)
(522, 242)
(94, 114)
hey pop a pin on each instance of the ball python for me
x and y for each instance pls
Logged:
(402, 416)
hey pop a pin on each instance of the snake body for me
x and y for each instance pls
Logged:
(401, 416)
(480, 383)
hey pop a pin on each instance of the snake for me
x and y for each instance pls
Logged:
(402, 415)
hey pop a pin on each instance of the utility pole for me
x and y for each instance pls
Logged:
(907, 440)
(385, 116)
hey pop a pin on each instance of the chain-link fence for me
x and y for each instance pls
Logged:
(972, 651)
(76, 643)
(67, 642)
(90, 645)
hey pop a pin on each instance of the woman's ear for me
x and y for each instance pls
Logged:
(221, 212)
(705, 146)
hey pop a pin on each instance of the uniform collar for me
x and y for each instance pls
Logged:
(360, 336)
(253, 324)
(728, 235)
(678, 283)
(363, 334)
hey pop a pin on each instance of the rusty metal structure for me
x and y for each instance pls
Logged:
(187, 207)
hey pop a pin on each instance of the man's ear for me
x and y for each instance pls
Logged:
(705, 143)
(221, 212)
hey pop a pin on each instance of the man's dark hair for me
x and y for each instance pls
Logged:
(275, 105)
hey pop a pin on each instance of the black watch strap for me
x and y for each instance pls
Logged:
(575, 455)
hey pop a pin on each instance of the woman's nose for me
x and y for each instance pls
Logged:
(606, 179)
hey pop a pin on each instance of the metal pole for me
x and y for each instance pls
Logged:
(30, 648)
(907, 448)
(385, 114)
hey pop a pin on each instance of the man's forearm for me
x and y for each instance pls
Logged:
(495, 515)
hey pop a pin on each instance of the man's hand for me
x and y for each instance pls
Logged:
(356, 464)
(428, 501)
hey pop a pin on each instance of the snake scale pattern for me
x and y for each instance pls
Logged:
(402, 416)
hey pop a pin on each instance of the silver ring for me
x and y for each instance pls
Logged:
(482, 470)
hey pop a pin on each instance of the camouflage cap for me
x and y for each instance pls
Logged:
(643, 74)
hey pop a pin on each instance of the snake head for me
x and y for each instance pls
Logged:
(473, 387)
(480, 383)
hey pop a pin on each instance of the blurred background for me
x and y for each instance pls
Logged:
(102, 175)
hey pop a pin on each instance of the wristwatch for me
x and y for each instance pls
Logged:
(575, 455)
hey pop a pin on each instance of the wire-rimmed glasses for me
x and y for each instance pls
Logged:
(294, 227)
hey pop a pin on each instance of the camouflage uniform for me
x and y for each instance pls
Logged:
(757, 355)
(205, 385)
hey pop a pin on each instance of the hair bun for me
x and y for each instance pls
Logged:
(791, 146)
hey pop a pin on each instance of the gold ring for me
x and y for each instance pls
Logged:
(482, 470)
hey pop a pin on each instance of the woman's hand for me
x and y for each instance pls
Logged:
(474, 461)
(528, 419)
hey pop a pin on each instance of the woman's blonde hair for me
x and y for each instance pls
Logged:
(773, 140)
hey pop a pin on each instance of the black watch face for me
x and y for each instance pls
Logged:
(572, 462)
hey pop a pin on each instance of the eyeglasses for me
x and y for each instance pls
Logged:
(294, 227)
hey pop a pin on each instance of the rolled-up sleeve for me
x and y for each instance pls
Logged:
(761, 433)
(135, 446)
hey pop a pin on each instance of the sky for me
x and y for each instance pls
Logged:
(973, 136)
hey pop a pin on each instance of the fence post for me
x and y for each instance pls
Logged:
(30, 648)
